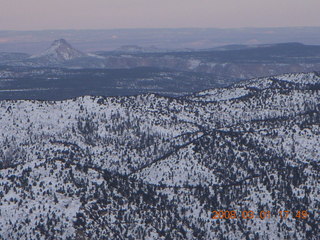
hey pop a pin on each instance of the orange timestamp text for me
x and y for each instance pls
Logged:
(259, 214)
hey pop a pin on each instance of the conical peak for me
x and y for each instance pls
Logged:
(60, 42)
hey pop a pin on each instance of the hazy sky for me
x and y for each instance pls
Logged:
(109, 14)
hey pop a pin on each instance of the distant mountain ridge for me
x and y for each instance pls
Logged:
(199, 38)
(232, 61)
(208, 67)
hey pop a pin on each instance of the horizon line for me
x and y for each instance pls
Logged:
(155, 28)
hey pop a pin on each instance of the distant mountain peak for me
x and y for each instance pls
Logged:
(60, 42)
(60, 50)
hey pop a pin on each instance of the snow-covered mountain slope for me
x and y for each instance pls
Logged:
(59, 51)
(153, 167)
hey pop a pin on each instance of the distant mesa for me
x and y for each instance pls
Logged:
(137, 49)
(130, 48)
(59, 51)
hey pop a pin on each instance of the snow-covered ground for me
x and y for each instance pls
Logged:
(152, 167)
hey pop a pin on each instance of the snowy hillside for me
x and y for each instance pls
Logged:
(154, 167)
